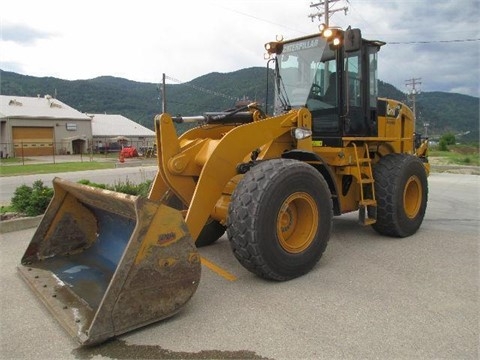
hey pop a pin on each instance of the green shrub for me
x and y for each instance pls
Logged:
(143, 189)
(127, 187)
(442, 145)
(446, 140)
(21, 198)
(32, 201)
(449, 138)
(89, 183)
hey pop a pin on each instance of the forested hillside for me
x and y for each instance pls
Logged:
(444, 112)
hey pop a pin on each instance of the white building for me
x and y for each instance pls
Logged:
(36, 126)
(113, 131)
(32, 126)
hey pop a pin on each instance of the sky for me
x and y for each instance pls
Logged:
(435, 42)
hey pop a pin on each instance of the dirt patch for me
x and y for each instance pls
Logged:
(437, 160)
(11, 216)
(464, 149)
(119, 349)
(441, 165)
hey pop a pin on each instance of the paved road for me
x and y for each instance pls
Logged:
(370, 297)
(107, 176)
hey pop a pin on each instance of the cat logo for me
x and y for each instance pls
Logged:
(393, 111)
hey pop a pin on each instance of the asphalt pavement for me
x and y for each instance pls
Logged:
(121, 174)
(369, 297)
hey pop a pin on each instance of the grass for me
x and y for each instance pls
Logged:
(6, 209)
(459, 155)
(28, 169)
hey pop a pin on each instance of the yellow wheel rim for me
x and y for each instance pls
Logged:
(297, 222)
(412, 196)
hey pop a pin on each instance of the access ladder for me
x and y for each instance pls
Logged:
(367, 204)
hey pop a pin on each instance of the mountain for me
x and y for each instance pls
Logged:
(136, 101)
(443, 112)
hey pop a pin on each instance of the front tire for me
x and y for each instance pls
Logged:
(401, 190)
(211, 232)
(280, 219)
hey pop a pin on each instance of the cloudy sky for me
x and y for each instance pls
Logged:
(435, 41)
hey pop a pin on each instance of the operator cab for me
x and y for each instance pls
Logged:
(334, 75)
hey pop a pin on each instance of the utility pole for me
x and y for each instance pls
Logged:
(413, 91)
(163, 91)
(327, 11)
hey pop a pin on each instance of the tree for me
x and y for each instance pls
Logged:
(445, 140)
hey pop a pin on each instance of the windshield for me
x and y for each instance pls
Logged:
(306, 72)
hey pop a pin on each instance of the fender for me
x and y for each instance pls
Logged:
(322, 166)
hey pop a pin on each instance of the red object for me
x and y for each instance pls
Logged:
(128, 152)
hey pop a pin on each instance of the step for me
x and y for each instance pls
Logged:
(368, 202)
(363, 217)
(364, 160)
(369, 221)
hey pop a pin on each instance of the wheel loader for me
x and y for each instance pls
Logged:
(105, 263)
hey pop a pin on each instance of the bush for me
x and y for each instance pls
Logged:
(32, 201)
(445, 140)
(89, 183)
(127, 187)
(442, 145)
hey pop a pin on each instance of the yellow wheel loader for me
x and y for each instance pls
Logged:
(106, 263)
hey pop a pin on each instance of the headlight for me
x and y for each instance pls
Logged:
(274, 47)
(327, 33)
(301, 133)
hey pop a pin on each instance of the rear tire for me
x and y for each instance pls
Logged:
(401, 190)
(211, 232)
(280, 219)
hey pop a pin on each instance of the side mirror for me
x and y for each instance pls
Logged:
(352, 40)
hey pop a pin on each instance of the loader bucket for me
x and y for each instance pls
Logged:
(105, 263)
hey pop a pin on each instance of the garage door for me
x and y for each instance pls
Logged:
(32, 141)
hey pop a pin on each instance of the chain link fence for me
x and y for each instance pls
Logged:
(74, 150)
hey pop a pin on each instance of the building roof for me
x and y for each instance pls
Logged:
(117, 125)
(37, 108)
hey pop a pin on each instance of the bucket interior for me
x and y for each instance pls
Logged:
(89, 272)
(105, 263)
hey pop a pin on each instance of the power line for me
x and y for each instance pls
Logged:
(199, 88)
(431, 41)
(260, 19)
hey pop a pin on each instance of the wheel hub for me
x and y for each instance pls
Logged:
(412, 197)
(297, 222)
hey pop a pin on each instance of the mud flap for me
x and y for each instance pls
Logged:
(105, 263)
